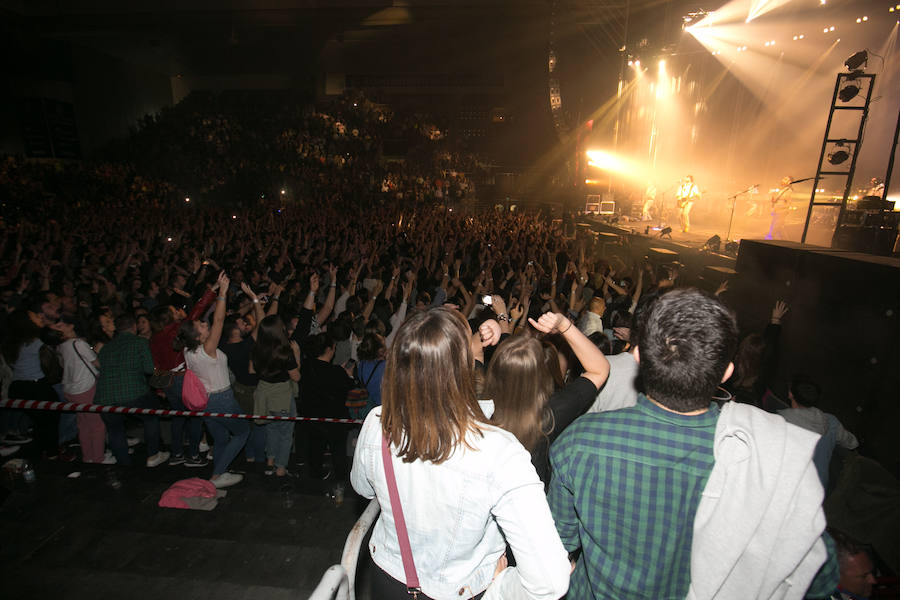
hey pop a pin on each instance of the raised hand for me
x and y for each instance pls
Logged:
(779, 310)
(489, 332)
(551, 323)
(248, 290)
(223, 282)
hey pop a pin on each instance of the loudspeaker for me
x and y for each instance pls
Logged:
(713, 243)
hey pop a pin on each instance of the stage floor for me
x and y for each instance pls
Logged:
(702, 229)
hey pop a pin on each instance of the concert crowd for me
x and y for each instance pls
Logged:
(559, 417)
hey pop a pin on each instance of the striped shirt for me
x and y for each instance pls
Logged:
(626, 486)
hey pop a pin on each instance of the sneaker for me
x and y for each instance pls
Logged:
(176, 460)
(7, 450)
(16, 439)
(227, 479)
(65, 455)
(203, 446)
(109, 459)
(196, 461)
(157, 459)
(132, 441)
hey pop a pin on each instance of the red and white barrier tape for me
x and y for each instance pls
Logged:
(128, 410)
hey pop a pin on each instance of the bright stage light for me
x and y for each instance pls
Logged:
(607, 161)
(630, 63)
(637, 64)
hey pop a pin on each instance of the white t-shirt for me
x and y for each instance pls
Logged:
(212, 372)
(619, 390)
(78, 375)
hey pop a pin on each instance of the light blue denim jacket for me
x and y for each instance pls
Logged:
(455, 512)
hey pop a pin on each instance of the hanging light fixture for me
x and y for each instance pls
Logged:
(856, 61)
(849, 91)
(840, 154)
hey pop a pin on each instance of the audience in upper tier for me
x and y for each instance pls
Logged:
(275, 259)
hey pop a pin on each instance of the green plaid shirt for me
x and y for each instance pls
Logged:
(625, 489)
(125, 364)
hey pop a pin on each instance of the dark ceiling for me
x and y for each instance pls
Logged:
(209, 37)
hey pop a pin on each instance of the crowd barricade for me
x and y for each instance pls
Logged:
(160, 412)
(339, 581)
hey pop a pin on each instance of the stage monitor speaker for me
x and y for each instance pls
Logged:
(666, 231)
(866, 238)
(714, 243)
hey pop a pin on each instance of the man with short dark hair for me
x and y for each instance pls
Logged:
(804, 394)
(125, 365)
(627, 484)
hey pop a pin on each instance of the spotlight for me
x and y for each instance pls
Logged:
(831, 28)
(662, 64)
(630, 63)
(637, 64)
(865, 18)
(849, 91)
(187, 199)
(840, 154)
(858, 20)
(857, 60)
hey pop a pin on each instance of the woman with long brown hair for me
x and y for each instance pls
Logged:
(521, 384)
(462, 483)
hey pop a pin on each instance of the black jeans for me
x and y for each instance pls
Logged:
(385, 587)
(327, 435)
(115, 429)
(46, 422)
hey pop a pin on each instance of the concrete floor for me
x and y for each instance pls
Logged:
(81, 538)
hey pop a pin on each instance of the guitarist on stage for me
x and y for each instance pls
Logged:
(781, 206)
(687, 193)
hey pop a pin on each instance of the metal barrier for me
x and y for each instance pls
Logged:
(334, 584)
(339, 581)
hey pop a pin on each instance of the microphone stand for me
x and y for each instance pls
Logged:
(733, 203)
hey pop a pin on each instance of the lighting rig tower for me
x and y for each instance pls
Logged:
(836, 151)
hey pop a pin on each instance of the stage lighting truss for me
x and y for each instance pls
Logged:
(840, 153)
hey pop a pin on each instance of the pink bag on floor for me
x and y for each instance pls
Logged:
(174, 497)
